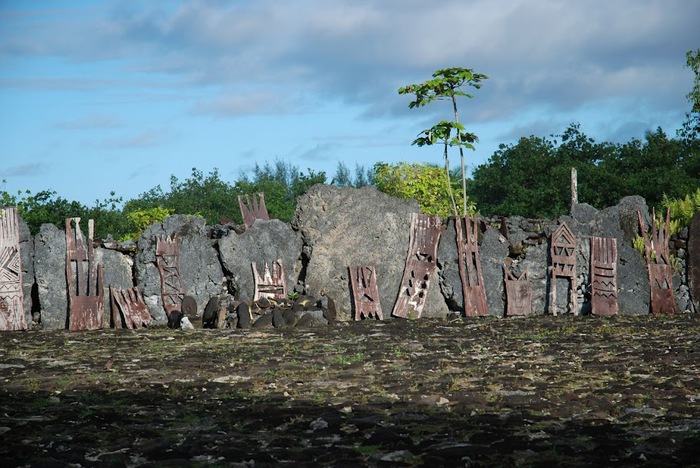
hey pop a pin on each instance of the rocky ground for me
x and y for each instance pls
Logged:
(541, 391)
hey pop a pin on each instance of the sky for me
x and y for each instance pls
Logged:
(118, 96)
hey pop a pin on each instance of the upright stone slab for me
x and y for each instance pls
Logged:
(50, 274)
(470, 271)
(693, 261)
(26, 250)
(420, 265)
(85, 285)
(604, 276)
(12, 315)
(563, 253)
(659, 264)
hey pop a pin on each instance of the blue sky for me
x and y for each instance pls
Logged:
(101, 96)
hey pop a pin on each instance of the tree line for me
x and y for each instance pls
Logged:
(529, 178)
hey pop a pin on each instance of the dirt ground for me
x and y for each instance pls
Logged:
(539, 391)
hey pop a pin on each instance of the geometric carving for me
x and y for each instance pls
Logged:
(604, 276)
(470, 267)
(134, 312)
(518, 293)
(563, 253)
(252, 209)
(364, 292)
(172, 289)
(659, 267)
(84, 279)
(421, 262)
(11, 296)
(271, 284)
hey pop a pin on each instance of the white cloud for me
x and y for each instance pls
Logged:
(91, 121)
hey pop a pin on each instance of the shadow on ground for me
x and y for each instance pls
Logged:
(544, 391)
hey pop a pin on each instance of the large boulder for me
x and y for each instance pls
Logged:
(199, 266)
(117, 272)
(50, 276)
(342, 227)
(264, 242)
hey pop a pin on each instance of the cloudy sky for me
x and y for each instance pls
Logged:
(101, 96)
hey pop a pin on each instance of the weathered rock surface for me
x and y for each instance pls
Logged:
(335, 228)
(50, 275)
(199, 264)
(344, 227)
(694, 261)
(26, 252)
(117, 272)
(264, 241)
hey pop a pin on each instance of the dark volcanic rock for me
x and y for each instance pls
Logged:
(200, 268)
(694, 261)
(264, 242)
(50, 274)
(342, 227)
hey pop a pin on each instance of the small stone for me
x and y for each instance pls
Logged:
(185, 324)
(277, 318)
(318, 424)
(244, 317)
(264, 321)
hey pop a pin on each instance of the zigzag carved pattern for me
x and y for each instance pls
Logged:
(9, 264)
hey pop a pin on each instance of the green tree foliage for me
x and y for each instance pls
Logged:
(532, 177)
(447, 84)
(282, 183)
(206, 196)
(689, 133)
(143, 219)
(47, 207)
(424, 183)
(682, 209)
(343, 178)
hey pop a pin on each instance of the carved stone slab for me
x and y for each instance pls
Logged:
(470, 267)
(171, 286)
(11, 296)
(420, 265)
(129, 309)
(84, 279)
(518, 293)
(658, 264)
(604, 276)
(271, 284)
(563, 253)
(365, 294)
(252, 208)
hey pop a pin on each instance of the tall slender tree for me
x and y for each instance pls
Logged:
(447, 84)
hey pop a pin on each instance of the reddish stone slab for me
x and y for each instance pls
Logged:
(252, 208)
(12, 315)
(420, 265)
(84, 278)
(604, 292)
(518, 293)
(467, 232)
(365, 295)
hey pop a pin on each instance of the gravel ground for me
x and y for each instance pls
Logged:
(537, 391)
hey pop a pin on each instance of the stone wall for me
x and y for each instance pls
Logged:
(334, 228)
